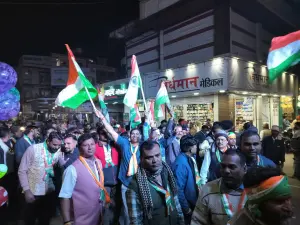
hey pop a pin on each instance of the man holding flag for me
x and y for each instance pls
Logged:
(129, 148)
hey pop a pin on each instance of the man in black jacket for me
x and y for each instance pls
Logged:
(273, 147)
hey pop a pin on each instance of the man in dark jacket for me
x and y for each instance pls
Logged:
(273, 147)
(187, 176)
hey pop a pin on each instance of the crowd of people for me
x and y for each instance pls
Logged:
(169, 174)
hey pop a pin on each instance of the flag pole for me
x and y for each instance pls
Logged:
(88, 93)
(142, 90)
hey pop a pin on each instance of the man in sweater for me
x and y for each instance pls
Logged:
(36, 175)
(83, 191)
(152, 195)
(222, 198)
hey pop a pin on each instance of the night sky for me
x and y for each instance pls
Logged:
(39, 29)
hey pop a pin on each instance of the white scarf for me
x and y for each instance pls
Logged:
(5, 149)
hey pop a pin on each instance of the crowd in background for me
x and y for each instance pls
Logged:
(175, 173)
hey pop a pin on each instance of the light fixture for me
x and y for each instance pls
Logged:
(191, 66)
(263, 94)
(173, 96)
(245, 92)
(283, 96)
(275, 95)
(169, 71)
(222, 91)
(250, 64)
(115, 103)
(235, 58)
(264, 66)
(196, 93)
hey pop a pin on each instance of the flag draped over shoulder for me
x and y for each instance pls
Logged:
(284, 53)
(162, 98)
(75, 93)
(101, 96)
(131, 96)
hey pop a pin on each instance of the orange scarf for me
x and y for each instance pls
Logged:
(101, 178)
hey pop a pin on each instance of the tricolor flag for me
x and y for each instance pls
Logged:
(131, 96)
(101, 96)
(284, 53)
(75, 93)
(134, 85)
(162, 98)
(135, 117)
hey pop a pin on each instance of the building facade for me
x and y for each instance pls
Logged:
(226, 42)
(41, 78)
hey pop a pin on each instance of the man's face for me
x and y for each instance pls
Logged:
(281, 208)
(163, 130)
(194, 149)
(36, 133)
(9, 124)
(88, 148)
(103, 137)
(70, 144)
(251, 146)
(275, 133)
(178, 132)
(151, 159)
(19, 134)
(135, 136)
(155, 135)
(232, 172)
(49, 131)
(221, 142)
(205, 130)
(6, 138)
(232, 141)
(54, 145)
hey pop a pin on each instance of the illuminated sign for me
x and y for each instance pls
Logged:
(115, 90)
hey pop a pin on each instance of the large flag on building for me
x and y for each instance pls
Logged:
(162, 98)
(284, 53)
(75, 93)
(135, 117)
(101, 96)
(134, 84)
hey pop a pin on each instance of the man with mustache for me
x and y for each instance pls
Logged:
(222, 198)
(269, 198)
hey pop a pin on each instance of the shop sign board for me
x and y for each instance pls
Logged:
(244, 75)
(59, 75)
(207, 77)
(116, 91)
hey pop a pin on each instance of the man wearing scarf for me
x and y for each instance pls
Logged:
(187, 176)
(130, 158)
(210, 169)
(83, 194)
(251, 147)
(269, 199)
(36, 175)
(222, 198)
(152, 196)
(28, 139)
(109, 156)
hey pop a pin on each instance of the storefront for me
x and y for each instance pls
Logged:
(114, 95)
(193, 90)
(225, 88)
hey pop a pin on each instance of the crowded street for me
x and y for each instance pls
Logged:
(150, 112)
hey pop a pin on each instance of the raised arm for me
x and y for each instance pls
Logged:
(107, 126)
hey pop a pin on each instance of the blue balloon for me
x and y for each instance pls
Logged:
(9, 104)
(8, 77)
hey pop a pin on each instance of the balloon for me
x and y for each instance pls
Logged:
(3, 170)
(9, 104)
(3, 196)
(8, 77)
